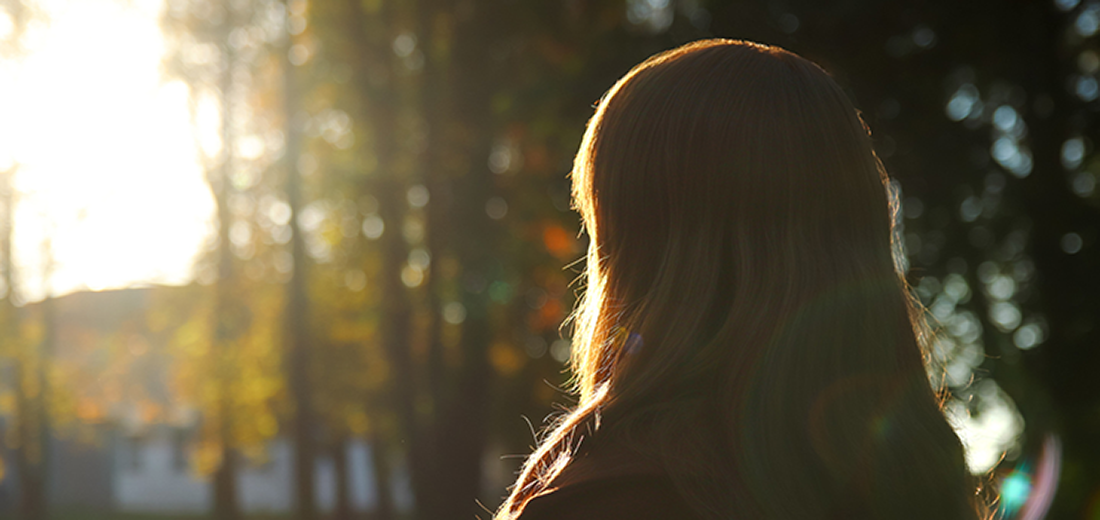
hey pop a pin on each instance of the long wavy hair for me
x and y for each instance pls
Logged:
(744, 329)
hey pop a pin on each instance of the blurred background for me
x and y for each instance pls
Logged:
(309, 258)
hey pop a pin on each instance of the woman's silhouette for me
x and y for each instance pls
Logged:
(746, 347)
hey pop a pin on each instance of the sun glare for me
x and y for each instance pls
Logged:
(107, 182)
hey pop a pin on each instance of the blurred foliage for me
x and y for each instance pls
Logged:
(431, 140)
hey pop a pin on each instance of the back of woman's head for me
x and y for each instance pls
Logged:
(744, 328)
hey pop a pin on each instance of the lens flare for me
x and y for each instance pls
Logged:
(1015, 489)
(1026, 495)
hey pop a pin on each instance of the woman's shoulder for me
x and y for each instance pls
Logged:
(637, 497)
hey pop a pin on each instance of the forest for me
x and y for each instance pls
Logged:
(392, 256)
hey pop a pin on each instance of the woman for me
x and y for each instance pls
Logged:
(745, 347)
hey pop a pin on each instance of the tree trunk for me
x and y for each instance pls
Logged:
(28, 454)
(434, 109)
(225, 315)
(458, 458)
(379, 100)
(342, 511)
(32, 499)
(45, 358)
(1066, 283)
(225, 485)
(297, 310)
(383, 482)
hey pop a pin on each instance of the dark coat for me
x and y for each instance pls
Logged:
(629, 497)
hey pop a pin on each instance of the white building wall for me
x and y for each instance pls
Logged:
(361, 476)
(267, 488)
(147, 479)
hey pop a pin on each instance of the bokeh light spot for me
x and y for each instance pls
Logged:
(373, 226)
(454, 313)
(496, 208)
(1014, 491)
(1072, 243)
